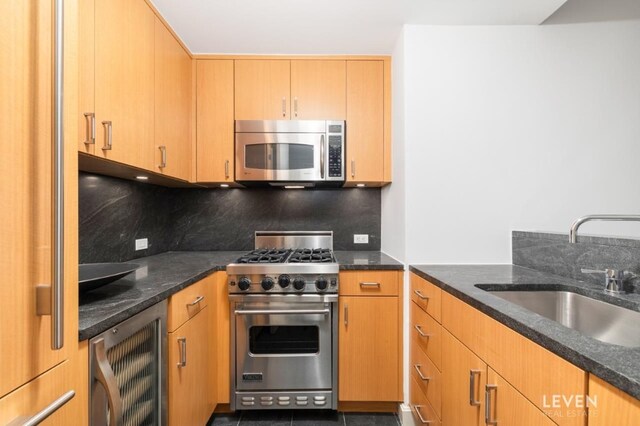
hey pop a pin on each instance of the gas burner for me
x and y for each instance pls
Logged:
(311, 256)
(265, 256)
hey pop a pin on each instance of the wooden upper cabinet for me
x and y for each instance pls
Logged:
(262, 89)
(173, 104)
(318, 90)
(214, 128)
(86, 73)
(124, 84)
(365, 122)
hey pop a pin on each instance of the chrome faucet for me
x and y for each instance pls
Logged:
(613, 277)
(573, 233)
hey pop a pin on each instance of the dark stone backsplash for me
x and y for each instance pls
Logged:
(114, 212)
(550, 252)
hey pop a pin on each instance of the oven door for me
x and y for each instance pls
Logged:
(283, 345)
(280, 157)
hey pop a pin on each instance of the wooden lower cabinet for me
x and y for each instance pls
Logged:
(369, 363)
(423, 412)
(222, 339)
(464, 377)
(608, 406)
(190, 400)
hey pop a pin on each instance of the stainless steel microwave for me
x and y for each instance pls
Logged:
(290, 152)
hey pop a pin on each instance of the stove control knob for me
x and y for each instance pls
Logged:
(244, 283)
(267, 283)
(321, 283)
(284, 281)
(298, 284)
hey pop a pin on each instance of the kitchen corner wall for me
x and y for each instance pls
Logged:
(114, 212)
(513, 127)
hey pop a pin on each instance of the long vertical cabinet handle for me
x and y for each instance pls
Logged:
(346, 315)
(487, 404)
(472, 388)
(353, 168)
(46, 412)
(295, 106)
(163, 156)
(108, 135)
(322, 149)
(57, 299)
(284, 107)
(104, 375)
(90, 130)
(182, 341)
(226, 169)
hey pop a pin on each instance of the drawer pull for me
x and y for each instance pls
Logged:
(420, 332)
(195, 302)
(420, 295)
(422, 420)
(370, 285)
(46, 412)
(487, 404)
(422, 376)
(472, 388)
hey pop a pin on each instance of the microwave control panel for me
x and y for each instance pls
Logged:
(335, 136)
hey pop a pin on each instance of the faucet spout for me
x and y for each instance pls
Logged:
(573, 232)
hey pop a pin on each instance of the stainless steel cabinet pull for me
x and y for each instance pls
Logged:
(346, 314)
(284, 107)
(108, 134)
(353, 168)
(48, 410)
(295, 106)
(422, 420)
(196, 301)
(322, 157)
(90, 132)
(226, 169)
(57, 299)
(487, 404)
(283, 312)
(422, 376)
(420, 332)
(376, 285)
(472, 388)
(104, 375)
(182, 341)
(420, 295)
(163, 156)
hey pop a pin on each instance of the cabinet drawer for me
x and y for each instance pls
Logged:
(431, 380)
(427, 296)
(369, 283)
(427, 334)
(187, 303)
(422, 411)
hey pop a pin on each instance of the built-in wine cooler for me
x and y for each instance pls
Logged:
(128, 382)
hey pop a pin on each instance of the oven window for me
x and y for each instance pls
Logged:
(279, 156)
(284, 339)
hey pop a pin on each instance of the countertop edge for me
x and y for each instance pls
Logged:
(570, 355)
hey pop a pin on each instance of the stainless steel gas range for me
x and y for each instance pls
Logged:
(284, 323)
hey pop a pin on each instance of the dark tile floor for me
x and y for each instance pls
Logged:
(303, 418)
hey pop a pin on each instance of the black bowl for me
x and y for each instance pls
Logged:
(94, 275)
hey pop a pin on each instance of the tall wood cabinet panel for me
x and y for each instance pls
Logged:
(173, 103)
(87, 126)
(368, 359)
(262, 89)
(124, 86)
(318, 89)
(26, 186)
(223, 364)
(365, 122)
(215, 125)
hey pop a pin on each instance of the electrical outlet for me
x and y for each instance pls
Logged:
(142, 243)
(360, 238)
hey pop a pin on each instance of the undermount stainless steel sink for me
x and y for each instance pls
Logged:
(600, 320)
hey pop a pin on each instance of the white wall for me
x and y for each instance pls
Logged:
(510, 127)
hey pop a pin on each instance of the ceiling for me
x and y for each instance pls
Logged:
(330, 26)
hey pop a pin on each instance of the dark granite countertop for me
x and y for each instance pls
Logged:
(164, 274)
(619, 366)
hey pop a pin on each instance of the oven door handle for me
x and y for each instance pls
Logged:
(283, 312)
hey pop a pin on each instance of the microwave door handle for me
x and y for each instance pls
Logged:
(322, 157)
